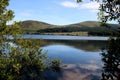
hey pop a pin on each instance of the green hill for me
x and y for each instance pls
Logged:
(91, 27)
(92, 24)
(86, 23)
(31, 26)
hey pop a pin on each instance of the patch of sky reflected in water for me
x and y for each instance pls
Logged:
(71, 55)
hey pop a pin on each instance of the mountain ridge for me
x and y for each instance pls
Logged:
(84, 23)
(32, 26)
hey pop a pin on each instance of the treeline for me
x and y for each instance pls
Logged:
(97, 31)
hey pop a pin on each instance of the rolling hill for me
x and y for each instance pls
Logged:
(92, 24)
(31, 26)
(92, 27)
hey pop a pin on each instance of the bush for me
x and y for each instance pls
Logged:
(23, 60)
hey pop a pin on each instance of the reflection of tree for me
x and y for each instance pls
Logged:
(86, 45)
(111, 59)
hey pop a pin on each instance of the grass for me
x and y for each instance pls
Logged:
(68, 33)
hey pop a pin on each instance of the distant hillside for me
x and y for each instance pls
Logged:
(31, 26)
(91, 24)
(86, 23)
(91, 27)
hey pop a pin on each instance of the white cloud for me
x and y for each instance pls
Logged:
(90, 66)
(69, 4)
(93, 6)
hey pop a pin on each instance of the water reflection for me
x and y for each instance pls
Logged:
(86, 45)
(82, 63)
(69, 54)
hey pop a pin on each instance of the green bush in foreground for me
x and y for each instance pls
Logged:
(20, 59)
(25, 63)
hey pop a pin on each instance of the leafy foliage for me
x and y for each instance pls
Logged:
(111, 59)
(109, 10)
(20, 59)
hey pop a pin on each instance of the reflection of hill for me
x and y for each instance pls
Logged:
(83, 45)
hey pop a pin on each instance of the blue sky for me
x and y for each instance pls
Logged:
(58, 12)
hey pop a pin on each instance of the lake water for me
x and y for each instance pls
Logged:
(80, 54)
(60, 37)
(82, 57)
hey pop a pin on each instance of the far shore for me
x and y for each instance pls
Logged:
(68, 34)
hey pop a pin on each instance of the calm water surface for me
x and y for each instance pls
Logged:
(80, 54)
(82, 57)
(72, 55)
(60, 37)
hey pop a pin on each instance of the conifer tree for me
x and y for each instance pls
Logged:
(20, 59)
